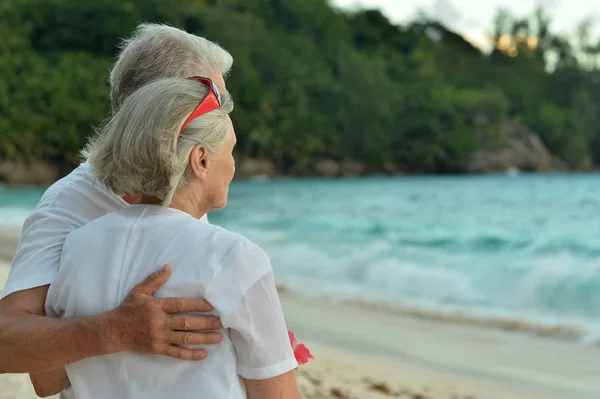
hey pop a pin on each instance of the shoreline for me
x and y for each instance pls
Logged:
(371, 174)
(571, 332)
(534, 366)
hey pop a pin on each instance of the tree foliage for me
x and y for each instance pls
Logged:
(309, 82)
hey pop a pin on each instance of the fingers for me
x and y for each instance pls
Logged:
(184, 353)
(194, 338)
(194, 323)
(180, 305)
(154, 281)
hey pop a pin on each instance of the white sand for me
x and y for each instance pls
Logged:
(4, 270)
(365, 353)
(364, 377)
(416, 353)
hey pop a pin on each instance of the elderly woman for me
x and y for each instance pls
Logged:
(172, 142)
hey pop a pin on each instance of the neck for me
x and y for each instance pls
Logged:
(189, 207)
(180, 202)
(148, 200)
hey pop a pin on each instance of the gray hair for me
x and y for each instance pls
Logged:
(157, 51)
(140, 151)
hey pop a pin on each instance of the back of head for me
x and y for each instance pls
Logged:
(156, 51)
(140, 149)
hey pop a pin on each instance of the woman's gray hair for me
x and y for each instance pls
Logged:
(156, 51)
(139, 150)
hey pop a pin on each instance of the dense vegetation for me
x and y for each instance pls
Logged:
(309, 82)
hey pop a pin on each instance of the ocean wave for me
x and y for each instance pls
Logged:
(496, 244)
(574, 331)
(579, 246)
(554, 296)
(481, 243)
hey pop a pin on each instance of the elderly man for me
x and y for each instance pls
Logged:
(30, 342)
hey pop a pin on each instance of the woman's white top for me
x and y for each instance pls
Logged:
(103, 260)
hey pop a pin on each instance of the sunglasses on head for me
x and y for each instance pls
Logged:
(211, 102)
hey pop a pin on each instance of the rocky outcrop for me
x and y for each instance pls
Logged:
(516, 148)
(559, 165)
(32, 173)
(331, 168)
(252, 167)
(327, 168)
(586, 165)
(352, 169)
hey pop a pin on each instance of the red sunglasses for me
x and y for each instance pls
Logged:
(211, 102)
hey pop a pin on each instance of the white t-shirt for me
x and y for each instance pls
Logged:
(104, 259)
(68, 204)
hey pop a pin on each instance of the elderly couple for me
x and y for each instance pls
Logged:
(86, 312)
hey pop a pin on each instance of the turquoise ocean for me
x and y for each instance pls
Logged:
(514, 252)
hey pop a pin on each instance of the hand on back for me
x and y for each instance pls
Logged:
(146, 324)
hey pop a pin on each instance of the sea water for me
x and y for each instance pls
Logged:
(510, 251)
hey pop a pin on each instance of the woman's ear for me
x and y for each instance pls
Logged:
(199, 162)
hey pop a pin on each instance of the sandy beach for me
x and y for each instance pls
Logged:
(369, 353)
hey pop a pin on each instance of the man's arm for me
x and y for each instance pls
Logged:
(48, 383)
(31, 342)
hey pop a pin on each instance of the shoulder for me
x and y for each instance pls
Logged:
(243, 247)
(79, 192)
(87, 232)
(67, 205)
(82, 175)
(235, 246)
(237, 255)
(76, 199)
(242, 265)
(244, 260)
(219, 239)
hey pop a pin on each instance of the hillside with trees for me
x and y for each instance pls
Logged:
(311, 83)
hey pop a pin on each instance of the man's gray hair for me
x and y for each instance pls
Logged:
(156, 51)
(140, 151)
